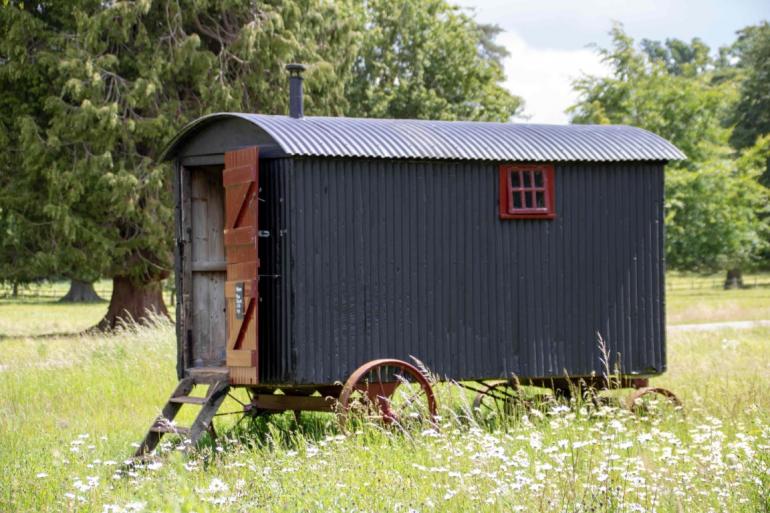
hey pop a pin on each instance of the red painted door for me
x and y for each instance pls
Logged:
(241, 182)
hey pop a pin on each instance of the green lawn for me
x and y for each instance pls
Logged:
(71, 406)
(696, 299)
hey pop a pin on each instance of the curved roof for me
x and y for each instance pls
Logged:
(446, 140)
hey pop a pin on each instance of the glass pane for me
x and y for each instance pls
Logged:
(528, 199)
(540, 199)
(515, 179)
(538, 178)
(527, 178)
(516, 200)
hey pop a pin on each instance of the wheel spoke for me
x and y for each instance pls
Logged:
(235, 399)
(221, 414)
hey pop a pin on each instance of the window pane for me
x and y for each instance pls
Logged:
(515, 179)
(516, 200)
(527, 178)
(541, 199)
(528, 199)
(538, 178)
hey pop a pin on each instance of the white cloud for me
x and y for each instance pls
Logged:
(543, 76)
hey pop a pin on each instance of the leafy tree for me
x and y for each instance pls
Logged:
(131, 74)
(426, 59)
(640, 91)
(122, 77)
(752, 111)
(714, 203)
(712, 213)
(27, 77)
(679, 57)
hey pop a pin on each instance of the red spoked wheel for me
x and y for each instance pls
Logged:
(389, 390)
(643, 399)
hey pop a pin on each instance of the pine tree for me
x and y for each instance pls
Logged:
(129, 75)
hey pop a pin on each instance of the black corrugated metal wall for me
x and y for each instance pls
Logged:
(388, 258)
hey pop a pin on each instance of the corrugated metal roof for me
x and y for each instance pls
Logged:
(460, 140)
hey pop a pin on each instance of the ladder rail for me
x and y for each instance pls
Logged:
(216, 394)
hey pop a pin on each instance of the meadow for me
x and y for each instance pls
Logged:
(72, 406)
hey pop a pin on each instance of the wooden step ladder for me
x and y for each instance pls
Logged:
(218, 382)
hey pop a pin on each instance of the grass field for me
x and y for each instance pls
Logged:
(71, 406)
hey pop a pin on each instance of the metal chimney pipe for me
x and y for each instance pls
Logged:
(295, 90)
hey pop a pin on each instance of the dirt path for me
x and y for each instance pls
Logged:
(712, 326)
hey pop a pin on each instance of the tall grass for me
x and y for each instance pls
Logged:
(71, 408)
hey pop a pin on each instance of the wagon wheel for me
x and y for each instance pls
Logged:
(499, 398)
(505, 398)
(639, 401)
(391, 391)
(244, 410)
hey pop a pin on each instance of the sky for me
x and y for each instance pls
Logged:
(548, 39)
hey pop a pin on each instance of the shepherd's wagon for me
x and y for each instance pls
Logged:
(319, 259)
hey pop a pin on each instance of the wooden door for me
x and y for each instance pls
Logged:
(241, 182)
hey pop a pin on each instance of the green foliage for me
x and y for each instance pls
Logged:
(119, 80)
(685, 108)
(712, 214)
(95, 89)
(427, 60)
(677, 56)
(72, 406)
(752, 112)
(27, 77)
(715, 206)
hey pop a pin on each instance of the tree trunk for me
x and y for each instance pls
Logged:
(81, 292)
(132, 302)
(734, 279)
(15, 292)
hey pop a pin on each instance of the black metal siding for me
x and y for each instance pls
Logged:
(389, 258)
(275, 329)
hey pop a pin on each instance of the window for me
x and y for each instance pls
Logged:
(526, 191)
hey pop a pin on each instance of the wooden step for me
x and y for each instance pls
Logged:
(219, 383)
(186, 399)
(181, 430)
(209, 374)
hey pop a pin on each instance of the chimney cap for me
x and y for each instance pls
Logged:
(295, 69)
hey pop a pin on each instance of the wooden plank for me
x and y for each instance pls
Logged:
(171, 429)
(241, 180)
(246, 235)
(208, 374)
(209, 267)
(238, 201)
(215, 396)
(239, 175)
(241, 358)
(287, 402)
(201, 345)
(186, 289)
(199, 215)
(243, 376)
(242, 253)
(186, 399)
(242, 271)
(216, 218)
(178, 265)
(152, 438)
(244, 156)
(217, 318)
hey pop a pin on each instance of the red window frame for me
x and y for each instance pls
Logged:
(520, 191)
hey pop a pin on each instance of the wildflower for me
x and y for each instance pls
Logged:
(41, 475)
